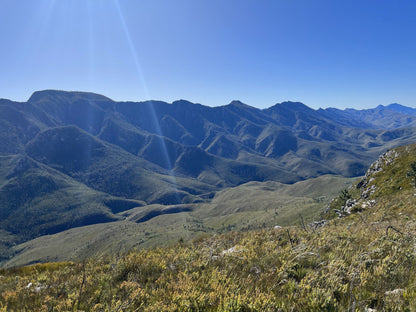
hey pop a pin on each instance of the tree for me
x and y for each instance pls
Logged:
(345, 195)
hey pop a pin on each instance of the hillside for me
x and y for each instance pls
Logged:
(82, 162)
(253, 205)
(294, 142)
(361, 261)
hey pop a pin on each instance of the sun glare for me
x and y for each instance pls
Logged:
(140, 74)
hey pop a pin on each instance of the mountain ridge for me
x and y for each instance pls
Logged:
(157, 154)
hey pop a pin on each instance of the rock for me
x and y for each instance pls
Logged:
(396, 292)
(229, 251)
(318, 224)
(368, 204)
(394, 297)
(369, 191)
(384, 160)
(255, 270)
(233, 250)
(39, 288)
(349, 204)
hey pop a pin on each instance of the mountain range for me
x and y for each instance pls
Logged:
(74, 159)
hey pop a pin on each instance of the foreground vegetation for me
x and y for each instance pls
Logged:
(332, 269)
(363, 261)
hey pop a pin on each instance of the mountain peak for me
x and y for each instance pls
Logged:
(401, 109)
(236, 102)
(294, 106)
(182, 102)
(56, 95)
(394, 105)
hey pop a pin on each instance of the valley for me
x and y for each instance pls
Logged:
(361, 261)
(82, 175)
(219, 156)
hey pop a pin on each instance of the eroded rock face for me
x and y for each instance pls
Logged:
(368, 191)
(382, 162)
(317, 224)
(349, 204)
(366, 187)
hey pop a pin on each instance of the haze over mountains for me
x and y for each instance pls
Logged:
(71, 159)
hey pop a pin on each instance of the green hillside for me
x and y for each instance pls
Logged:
(254, 205)
(75, 159)
(362, 261)
(37, 200)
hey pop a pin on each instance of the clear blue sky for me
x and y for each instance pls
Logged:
(339, 53)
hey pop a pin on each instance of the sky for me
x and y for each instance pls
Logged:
(324, 53)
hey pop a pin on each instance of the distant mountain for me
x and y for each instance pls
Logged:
(402, 109)
(110, 156)
(392, 116)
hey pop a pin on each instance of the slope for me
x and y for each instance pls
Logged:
(36, 200)
(172, 155)
(392, 116)
(252, 205)
(363, 261)
(108, 168)
(159, 131)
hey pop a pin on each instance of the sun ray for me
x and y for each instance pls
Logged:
(91, 46)
(139, 71)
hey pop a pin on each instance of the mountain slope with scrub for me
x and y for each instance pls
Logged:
(78, 159)
(360, 258)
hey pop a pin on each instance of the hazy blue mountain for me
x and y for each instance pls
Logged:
(402, 109)
(163, 133)
(382, 117)
(289, 137)
(76, 158)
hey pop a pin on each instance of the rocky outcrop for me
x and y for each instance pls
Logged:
(366, 186)
(384, 160)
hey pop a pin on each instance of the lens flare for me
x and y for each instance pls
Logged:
(139, 71)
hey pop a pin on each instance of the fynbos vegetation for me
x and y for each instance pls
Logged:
(363, 261)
